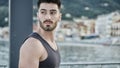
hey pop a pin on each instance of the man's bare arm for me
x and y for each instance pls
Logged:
(30, 53)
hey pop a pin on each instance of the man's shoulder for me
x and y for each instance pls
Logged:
(31, 44)
(31, 41)
(31, 48)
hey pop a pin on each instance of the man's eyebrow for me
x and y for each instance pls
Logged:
(50, 10)
(53, 10)
(43, 9)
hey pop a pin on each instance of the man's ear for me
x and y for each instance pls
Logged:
(60, 17)
(37, 14)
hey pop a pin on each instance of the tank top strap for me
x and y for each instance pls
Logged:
(44, 43)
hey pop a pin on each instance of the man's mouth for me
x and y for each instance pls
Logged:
(48, 22)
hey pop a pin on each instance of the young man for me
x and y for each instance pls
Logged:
(40, 50)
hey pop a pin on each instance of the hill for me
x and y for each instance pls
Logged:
(89, 8)
(72, 8)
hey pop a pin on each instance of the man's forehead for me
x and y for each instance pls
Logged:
(48, 6)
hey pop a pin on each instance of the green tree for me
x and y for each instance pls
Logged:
(3, 15)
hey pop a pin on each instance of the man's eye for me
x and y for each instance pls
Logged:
(52, 13)
(43, 12)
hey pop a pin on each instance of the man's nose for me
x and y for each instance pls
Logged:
(48, 16)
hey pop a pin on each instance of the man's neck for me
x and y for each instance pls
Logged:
(47, 35)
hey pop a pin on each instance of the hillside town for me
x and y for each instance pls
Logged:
(104, 26)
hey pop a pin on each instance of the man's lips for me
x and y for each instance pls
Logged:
(48, 22)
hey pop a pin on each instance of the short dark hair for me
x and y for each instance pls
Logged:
(58, 2)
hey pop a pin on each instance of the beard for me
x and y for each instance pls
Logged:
(50, 27)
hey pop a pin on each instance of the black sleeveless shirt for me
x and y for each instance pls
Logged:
(53, 59)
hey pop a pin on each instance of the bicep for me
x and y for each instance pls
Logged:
(30, 54)
(28, 58)
(28, 63)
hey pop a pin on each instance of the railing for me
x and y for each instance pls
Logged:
(90, 65)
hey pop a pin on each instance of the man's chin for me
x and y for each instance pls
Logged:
(48, 29)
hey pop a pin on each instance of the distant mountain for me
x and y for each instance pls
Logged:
(78, 8)
(89, 8)
(72, 8)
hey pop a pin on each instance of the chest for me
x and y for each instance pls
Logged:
(52, 59)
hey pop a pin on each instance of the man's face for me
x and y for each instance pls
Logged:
(48, 16)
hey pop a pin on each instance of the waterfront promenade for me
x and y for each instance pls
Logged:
(76, 54)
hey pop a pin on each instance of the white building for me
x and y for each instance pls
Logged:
(105, 24)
